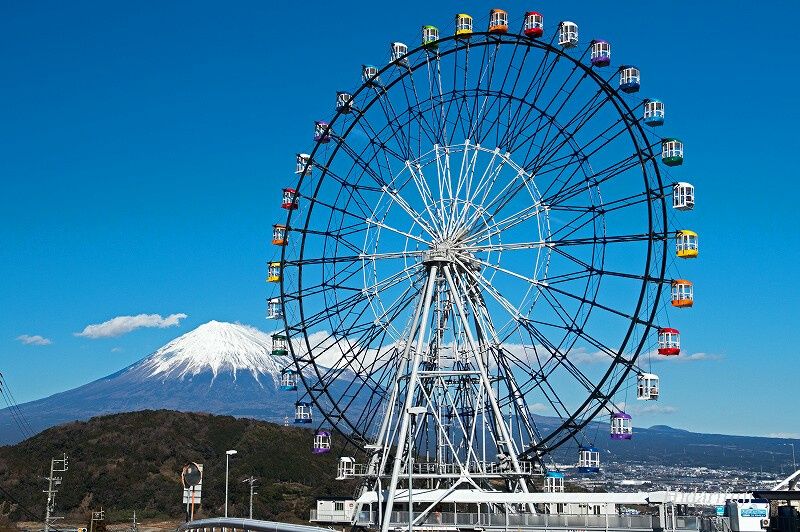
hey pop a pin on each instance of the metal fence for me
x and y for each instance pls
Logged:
(535, 521)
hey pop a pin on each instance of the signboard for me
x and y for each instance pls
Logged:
(720, 510)
(192, 480)
(753, 512)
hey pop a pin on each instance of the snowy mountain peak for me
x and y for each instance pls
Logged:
(216, 347)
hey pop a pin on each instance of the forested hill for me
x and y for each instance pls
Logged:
(132, 461)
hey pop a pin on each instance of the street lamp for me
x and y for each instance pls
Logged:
(228, 455)
(794, 462)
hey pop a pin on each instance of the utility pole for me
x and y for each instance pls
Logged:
(794, 462)
(252, 480)
(57, 465)
(135, 525)
(96, 517)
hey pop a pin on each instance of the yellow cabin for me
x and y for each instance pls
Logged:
(463, 25)
(686, 244)
(274, 272)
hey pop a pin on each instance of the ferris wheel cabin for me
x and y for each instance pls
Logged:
(601, 53)
(629, 79)
(534, 25)
(369, 74)
(672, 152)
(279, 235)
(303, 164)
(553, 482)
(322, 132)
(669, 341)
(568, 34)
(343, 102)
(289, 199)
(647, 387)
(683, 196)
(498, 21)
(463, 25)
(621, 426)
(653, 113)
(302, 412)
(430, 37)
(399, 52)
(682, 293)
(274, 272)
(280, 347)
(322, 442)
(588, 460)
(288, 381)
(274, 309)
(686, 245)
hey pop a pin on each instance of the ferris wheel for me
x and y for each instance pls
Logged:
(474, 254)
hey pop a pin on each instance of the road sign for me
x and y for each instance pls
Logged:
(192, 479)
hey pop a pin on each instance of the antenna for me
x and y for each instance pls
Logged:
(57, 465)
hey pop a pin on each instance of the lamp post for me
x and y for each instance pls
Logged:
(794, 462)
(228, 455)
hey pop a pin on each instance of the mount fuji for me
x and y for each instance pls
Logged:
(218, 368)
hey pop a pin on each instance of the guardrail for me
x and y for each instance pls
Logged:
(232, 524)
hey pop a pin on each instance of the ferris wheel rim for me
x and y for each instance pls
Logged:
(622, 108)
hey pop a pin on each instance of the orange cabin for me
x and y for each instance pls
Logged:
(682, 293)
(498, 21)
(279, 235)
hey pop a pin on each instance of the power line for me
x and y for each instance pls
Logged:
(16, 413)
(27, 511)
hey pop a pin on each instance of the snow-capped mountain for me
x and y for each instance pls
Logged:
(220, 368)
(217, 347)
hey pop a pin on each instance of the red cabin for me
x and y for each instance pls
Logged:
(289, 199)
(669, 341)
(534, 25)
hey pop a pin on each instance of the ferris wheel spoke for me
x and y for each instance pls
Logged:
(414, 110)
(538, 81)
(568, 191)
(359, 297)
(495, 121)
(436, 95)
(387, 107)
(545, 110)
(594, 304)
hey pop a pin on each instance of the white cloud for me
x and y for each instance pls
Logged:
(654, 409)
(539, 408)
(35, 339)
(690, 357)
(116, 349)
(125, 324)
(784, 435)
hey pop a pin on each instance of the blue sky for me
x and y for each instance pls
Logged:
(142, 152)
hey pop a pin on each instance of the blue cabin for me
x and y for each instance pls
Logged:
(629, 79)
(653, 113)
(288, 380)
(588, 460)
(302, 412)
